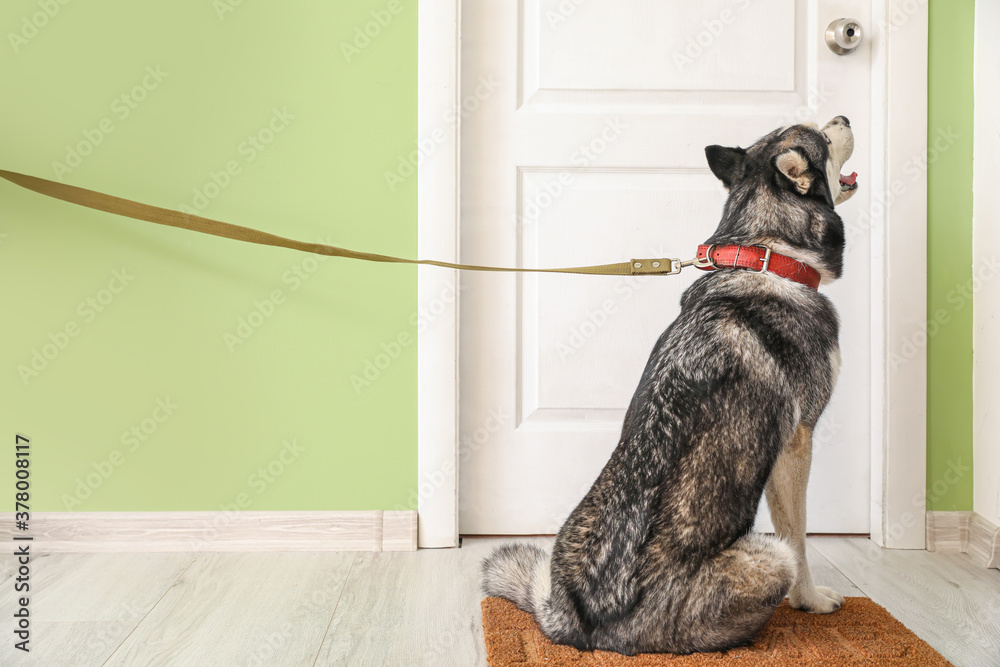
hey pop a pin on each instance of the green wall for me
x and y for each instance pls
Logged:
(949, 255)
(154, 396)
(173, 333)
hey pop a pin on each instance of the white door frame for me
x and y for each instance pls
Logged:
(898, 228)
(438, 49)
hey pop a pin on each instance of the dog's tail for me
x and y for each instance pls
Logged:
(520, 573)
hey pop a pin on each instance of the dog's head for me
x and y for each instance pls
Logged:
(783, 189)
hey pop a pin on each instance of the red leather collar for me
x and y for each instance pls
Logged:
(756, 258)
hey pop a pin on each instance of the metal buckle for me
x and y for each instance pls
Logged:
(708, 261)
(766, 259)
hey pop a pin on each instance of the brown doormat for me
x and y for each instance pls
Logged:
(861, 633)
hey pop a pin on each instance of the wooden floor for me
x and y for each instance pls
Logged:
(404, 609)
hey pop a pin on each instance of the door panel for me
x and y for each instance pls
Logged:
(669, 52)
(573, 342)
(591, 150)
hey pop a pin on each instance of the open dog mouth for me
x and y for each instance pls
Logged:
(848, 183)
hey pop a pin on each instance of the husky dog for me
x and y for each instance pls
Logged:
(659, 555)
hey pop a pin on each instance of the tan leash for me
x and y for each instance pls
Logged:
(195, 223)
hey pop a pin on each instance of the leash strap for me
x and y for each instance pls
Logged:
(195, 223)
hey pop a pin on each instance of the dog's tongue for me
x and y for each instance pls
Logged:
(849, 180)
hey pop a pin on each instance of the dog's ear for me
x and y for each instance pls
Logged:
(794, 166)
(726, 163)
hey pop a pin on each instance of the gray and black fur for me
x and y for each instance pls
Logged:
(659, 555)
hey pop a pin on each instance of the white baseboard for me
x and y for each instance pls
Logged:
(94, 532)
(984, 541)
(948, 531)
(967, 532)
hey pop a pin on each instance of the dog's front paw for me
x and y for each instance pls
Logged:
(818, 600)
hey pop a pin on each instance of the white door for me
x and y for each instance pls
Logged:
(583, 143)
